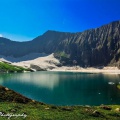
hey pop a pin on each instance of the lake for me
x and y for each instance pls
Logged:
(65, 88)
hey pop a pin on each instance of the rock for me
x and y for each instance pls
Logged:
(54, 107)
(47, 108)
(105, 107)
(6, 89)
(87, 106)
(36, 67)
(117, 109)
(13, 110)
(67, 109)
(88, 110)
(33, 100)
(111, 83)
(96, 113)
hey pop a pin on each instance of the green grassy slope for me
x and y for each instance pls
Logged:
(14, 103)
(6, 67)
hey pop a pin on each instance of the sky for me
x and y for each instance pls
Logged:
(23, 20)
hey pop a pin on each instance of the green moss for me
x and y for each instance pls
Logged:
(62, 54)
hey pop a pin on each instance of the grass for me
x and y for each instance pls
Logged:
(7, 67)
(37, 111)
(14, 103)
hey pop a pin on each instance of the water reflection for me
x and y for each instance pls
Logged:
(65, 88)
(48, 81)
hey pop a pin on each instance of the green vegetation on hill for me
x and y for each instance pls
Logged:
(7, 67)
(14, 103)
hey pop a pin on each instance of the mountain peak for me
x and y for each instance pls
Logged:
(50, 31)
(94, 47)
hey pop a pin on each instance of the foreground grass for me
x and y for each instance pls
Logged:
(37, 111)
(14, 103)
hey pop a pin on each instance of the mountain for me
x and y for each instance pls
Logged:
(46, 43)
(94, 47)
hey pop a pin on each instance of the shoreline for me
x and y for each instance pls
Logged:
(50, 63)
(13, 103)
(105, 70)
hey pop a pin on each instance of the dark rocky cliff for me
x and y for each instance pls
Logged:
(100, 46)
(95, 47)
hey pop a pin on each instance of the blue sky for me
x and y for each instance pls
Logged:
(23, 20)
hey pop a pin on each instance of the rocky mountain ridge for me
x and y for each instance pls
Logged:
(94, 47)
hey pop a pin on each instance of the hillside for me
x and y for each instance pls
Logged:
(95, 47)
(7, 67)
(14, 103)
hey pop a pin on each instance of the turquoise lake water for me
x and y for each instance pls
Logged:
(65, 88)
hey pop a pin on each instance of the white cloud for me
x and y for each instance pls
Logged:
(1, 35)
